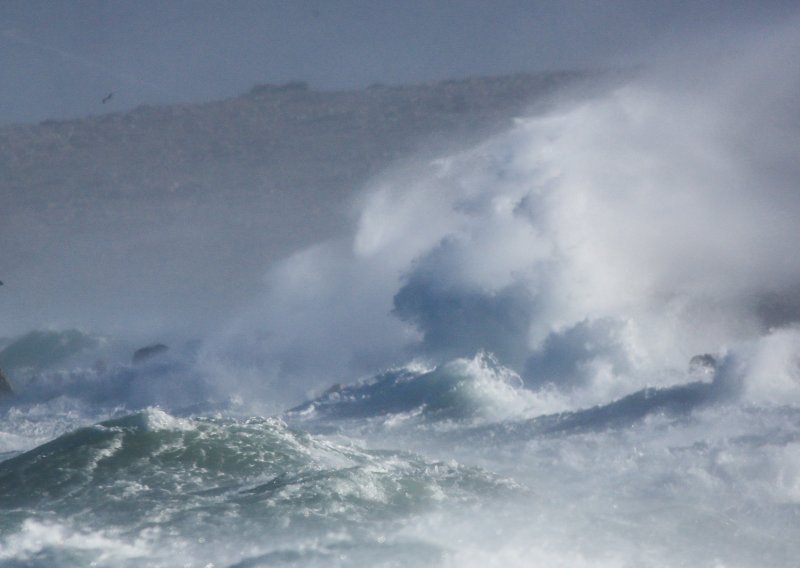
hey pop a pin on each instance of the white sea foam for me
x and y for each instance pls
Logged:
(36, 540)
(156, 419)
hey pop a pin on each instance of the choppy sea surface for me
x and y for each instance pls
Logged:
(576, 343)
(444, 466)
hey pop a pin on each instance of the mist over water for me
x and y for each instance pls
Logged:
(575, 343)
(596, 248)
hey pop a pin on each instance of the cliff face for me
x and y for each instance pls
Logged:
(271, 134)
(90, 206)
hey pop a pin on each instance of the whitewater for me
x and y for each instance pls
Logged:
(575, 343)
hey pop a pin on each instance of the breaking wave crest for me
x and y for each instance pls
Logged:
(602, 307)
(148, 479)
(462, 389)
(594, 249)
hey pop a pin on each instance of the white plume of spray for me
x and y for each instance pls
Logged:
(596, 248)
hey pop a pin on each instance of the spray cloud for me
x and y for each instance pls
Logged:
(597, 247)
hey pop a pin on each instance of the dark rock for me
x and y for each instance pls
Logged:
(39, 350)
(148, 352)
(704, 363)
(5, 386)
(291, 86)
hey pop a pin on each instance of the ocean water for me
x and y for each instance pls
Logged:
(574, 344)
(450, 466)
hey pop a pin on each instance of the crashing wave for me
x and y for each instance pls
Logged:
(142, 474)
(478, 388)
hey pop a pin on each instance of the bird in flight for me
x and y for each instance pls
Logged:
(107, 97)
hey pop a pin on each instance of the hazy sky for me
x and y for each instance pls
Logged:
(60, 58)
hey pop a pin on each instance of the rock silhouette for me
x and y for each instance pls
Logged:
(148, 352)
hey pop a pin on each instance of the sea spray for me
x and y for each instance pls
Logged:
(627, 259)
(596, 247)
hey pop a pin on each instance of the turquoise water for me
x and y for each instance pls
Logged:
(150, 486)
